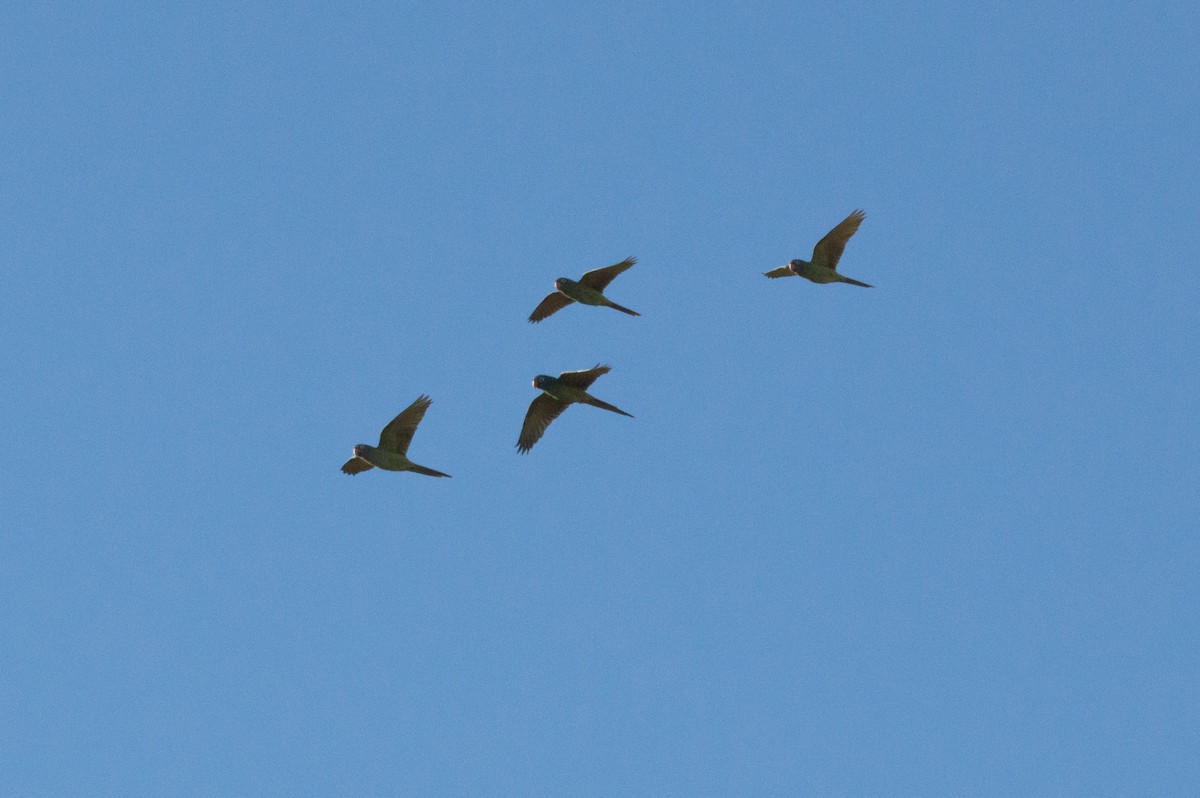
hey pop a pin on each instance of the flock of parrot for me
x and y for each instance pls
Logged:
(570, 387)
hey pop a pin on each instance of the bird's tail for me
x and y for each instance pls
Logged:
(429, 472)
(845, 279)
(615, 306)
(594, 402)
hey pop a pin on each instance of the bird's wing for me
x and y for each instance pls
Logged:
(356, 465)
(600, 278)
(782, 271)
(828, 250)
(542, 411)
(582, 379)
(549, 306)
(399, 432)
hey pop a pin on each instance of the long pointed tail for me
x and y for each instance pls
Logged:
(854, 282)
(594, 402)
(615, 306)
(429, 472)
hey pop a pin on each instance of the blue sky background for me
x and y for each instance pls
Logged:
(938, 537)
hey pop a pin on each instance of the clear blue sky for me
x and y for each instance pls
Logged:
(938, 537)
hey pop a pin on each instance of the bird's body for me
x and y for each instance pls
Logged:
(391, 461)
(585, 295)
(559, 393)
(392, 452)
(820, 274)
(823, 266)
(569, 394)
(587, 290)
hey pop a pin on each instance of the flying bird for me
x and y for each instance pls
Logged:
(557, 393)
(823, 267)
(588, 291)
(391, 453)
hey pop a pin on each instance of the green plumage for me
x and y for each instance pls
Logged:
(559, 393)
(392, 452)
(589, 290)
(827, 252)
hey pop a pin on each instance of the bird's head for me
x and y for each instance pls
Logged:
(796, 264)
(361, 450)
(563, 282)
(541, 381)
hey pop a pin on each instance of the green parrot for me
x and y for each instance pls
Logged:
(823, 267)
(557, 393)
(391, 453)
(587, 291)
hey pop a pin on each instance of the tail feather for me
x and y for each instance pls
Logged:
(845, 279)
(594, 402)
(615, 306)
(429, 472)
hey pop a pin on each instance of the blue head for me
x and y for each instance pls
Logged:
(563, 282)
(541, 382)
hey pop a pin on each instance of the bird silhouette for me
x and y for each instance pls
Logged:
(589, 290)
(823, 266)
(392, 452)
(558, 393)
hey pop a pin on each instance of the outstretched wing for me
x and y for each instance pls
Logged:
(542, 411)
(782, 271)
(399, 432)
(600, 278)
(549, 306)
(582, 379)
(356, 465)
(828, 250)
